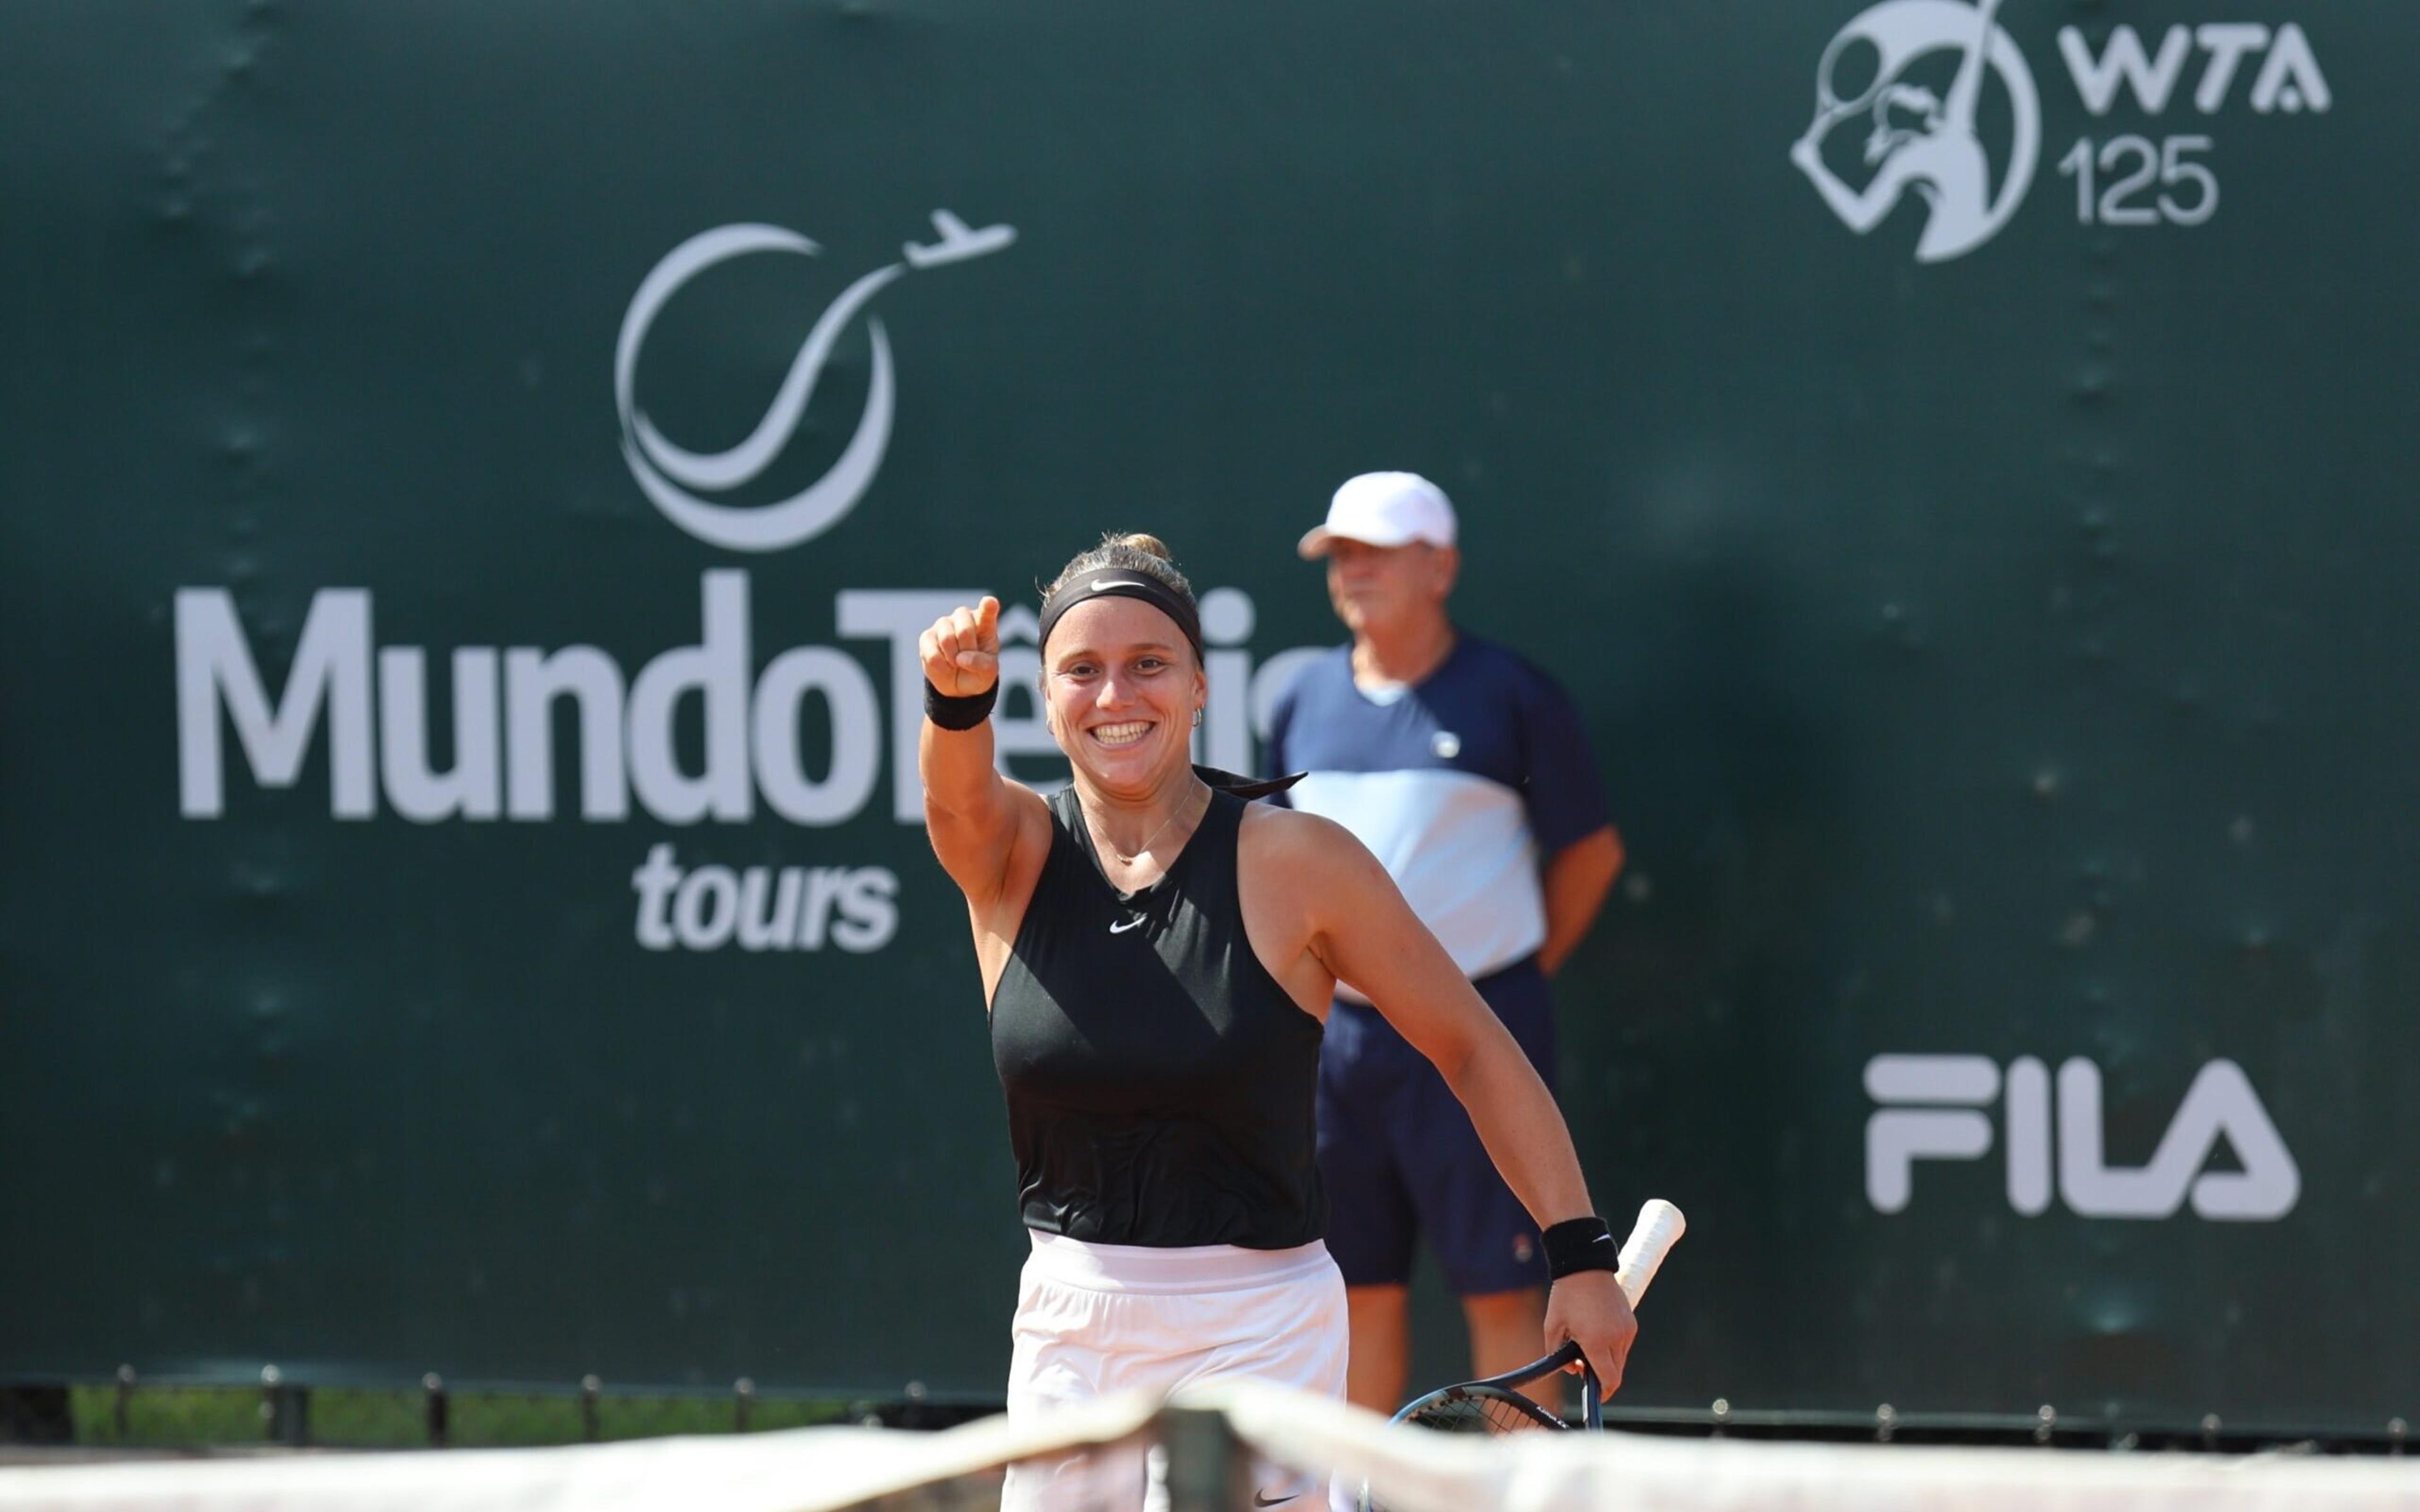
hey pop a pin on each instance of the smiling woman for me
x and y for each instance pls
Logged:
(1122, 684)
(1158, 956)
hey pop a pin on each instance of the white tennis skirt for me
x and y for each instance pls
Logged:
(1099, 1320)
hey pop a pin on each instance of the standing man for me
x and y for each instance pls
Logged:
(1465, 770)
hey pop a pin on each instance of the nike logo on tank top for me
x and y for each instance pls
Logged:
(1160, 1083)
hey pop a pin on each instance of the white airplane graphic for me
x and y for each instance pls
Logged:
(956, 242)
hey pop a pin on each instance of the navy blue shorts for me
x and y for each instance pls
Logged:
(1398, 1157)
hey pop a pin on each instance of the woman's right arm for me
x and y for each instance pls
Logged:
(975, 817)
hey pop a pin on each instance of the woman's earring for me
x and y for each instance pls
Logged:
(1197, 718)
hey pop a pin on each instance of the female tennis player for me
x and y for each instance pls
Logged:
(1158, 957)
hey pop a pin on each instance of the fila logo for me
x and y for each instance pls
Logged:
(1928, 1111)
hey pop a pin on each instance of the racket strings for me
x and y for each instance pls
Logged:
(1483, 1409)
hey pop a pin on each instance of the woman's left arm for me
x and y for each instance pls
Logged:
(1365, 934)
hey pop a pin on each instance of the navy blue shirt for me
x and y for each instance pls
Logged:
(1460, 784)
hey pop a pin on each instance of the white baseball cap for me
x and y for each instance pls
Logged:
(1384, 509)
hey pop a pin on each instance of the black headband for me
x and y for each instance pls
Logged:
(1123, 582)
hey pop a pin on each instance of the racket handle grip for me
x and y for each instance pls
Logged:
(1659, 1227)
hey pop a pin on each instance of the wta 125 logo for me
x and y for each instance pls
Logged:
(1932, 99)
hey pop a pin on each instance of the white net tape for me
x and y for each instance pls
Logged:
(1409, 1470)
(1412, 1470)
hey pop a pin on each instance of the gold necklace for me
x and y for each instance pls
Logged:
(1125, 859)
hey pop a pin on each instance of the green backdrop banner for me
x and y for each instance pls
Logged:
(475, 472)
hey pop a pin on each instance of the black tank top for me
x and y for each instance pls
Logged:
(1160, 1083)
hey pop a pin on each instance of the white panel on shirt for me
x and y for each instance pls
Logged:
(1459, 848)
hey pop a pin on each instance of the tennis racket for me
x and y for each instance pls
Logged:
(1496, 1405)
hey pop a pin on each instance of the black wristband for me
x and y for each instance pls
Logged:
(952, 712)
(1580, 1244)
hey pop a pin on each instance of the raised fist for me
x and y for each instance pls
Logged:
(961, 651)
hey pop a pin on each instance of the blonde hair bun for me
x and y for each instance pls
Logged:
(1152, 545)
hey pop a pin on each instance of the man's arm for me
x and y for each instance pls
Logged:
(1576, 879)
(1567, 815)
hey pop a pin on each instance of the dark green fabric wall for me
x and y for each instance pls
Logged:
(2002, 655)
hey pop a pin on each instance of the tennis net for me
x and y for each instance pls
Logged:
(1216, 1447)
